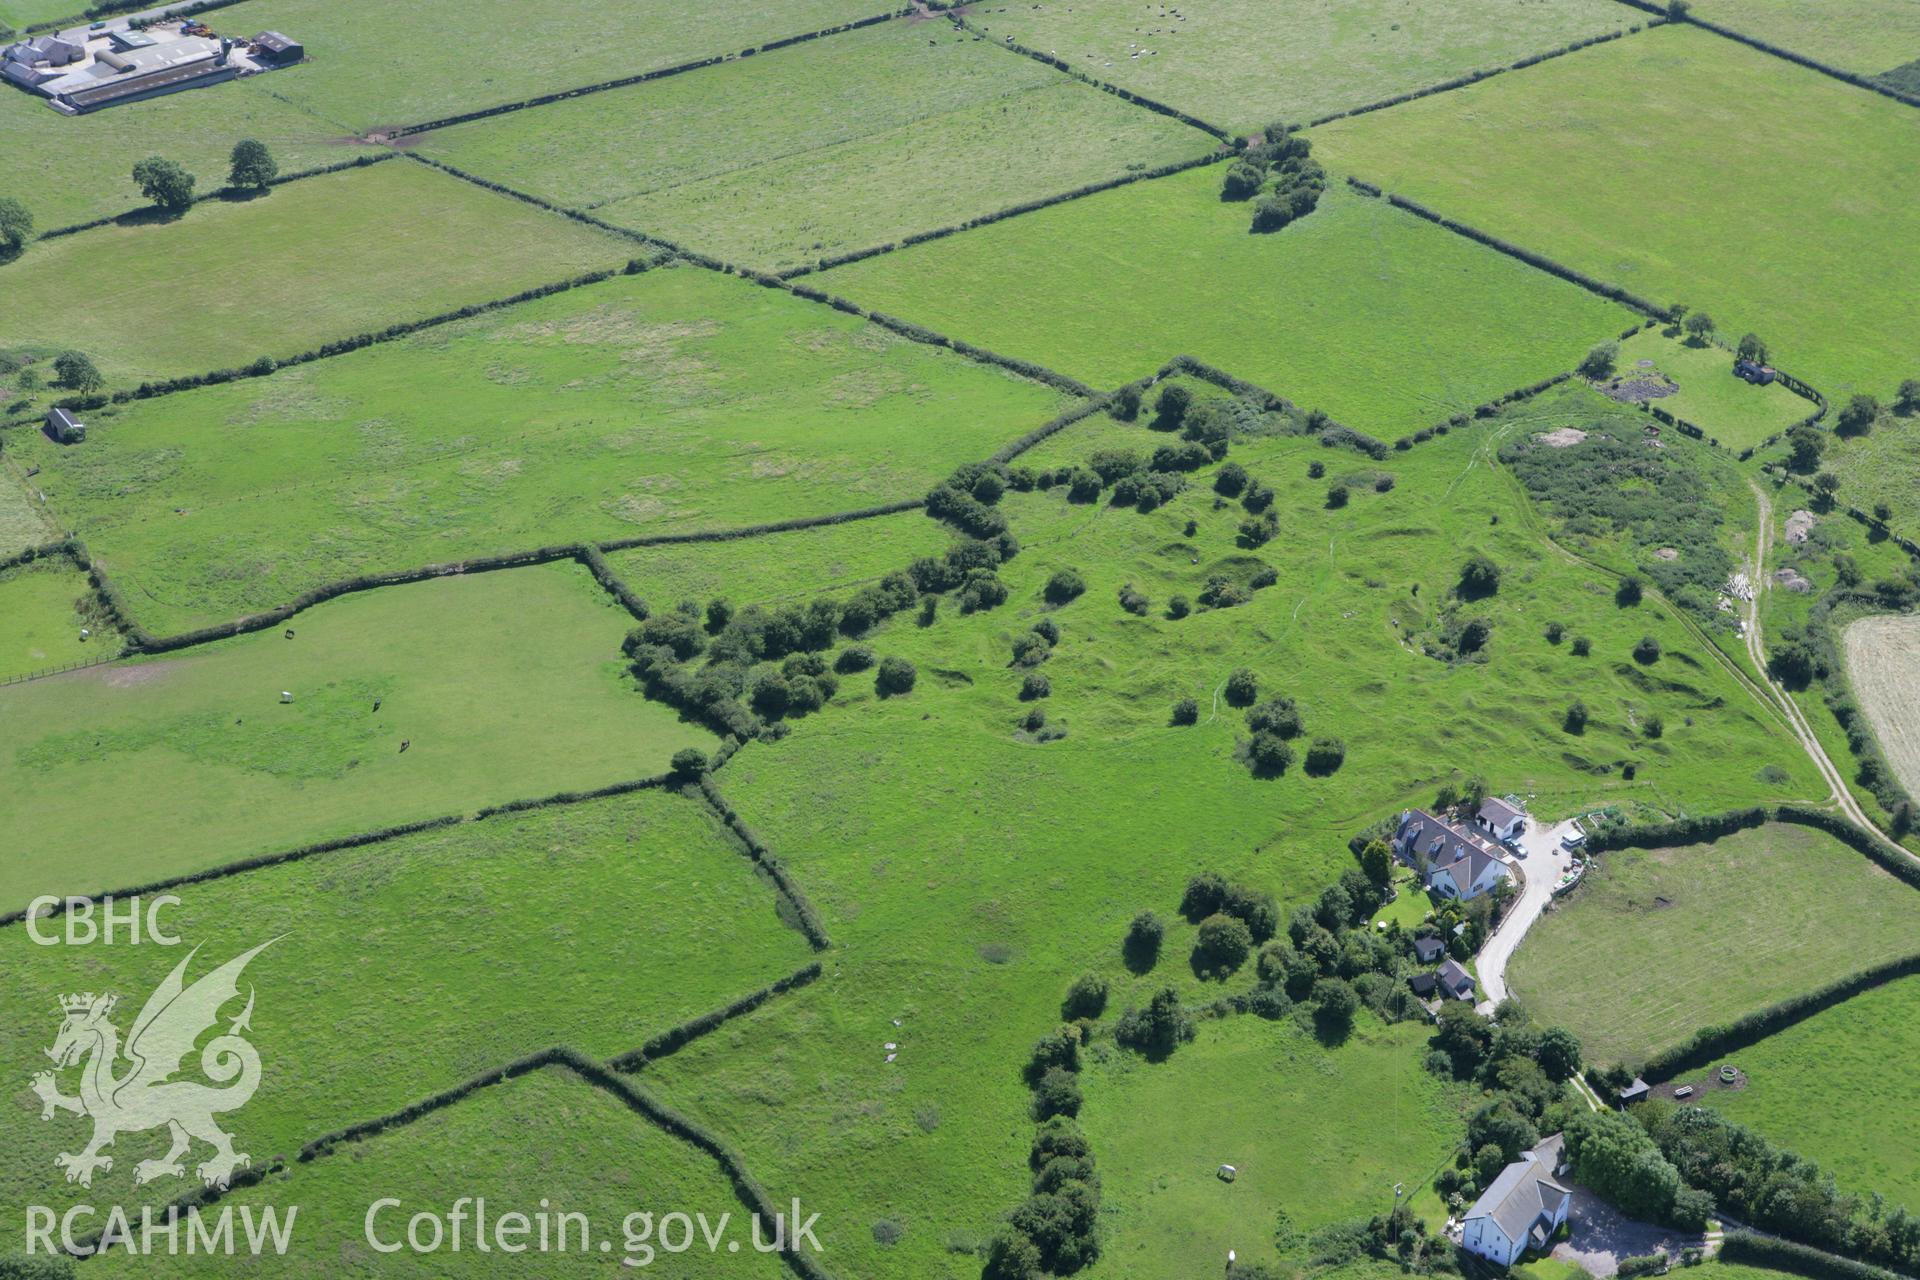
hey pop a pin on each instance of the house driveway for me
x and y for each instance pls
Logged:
(1601, 1235)
(1538, 873)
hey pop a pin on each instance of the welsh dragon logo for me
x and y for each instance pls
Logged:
(146, 1096)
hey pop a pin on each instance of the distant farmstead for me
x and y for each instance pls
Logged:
(109, 64)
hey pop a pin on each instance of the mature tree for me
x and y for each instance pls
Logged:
(1805, 445)
(1158, 1029)
(1011, 1255)
(988, 486)
(1057, 1094)
(689, 762)
(1479, 576)
(76, 372)
(1170, 409)
(1269, 753)
(165, 183)
(1334, 1004)
(1792, 662)
(1752, 348)
(1474, 634)
(1142, 945)
(1600, 359)
(1858, 417)
(1827, 483)
(1576, 718)
(1630, 591)
(1243, 686)
(1223, 945)
(1337, 496)
(1126, 404)
(895, 675)
(253, 166)
(1559, 1054)
(1064, 585)
(1464, 1036)
(1647, 651)
(1325, 756)
(1186, 711)
(1500, 1123)
(1086, 998)
(1613, 1156)
(1907, 399)
(1698, 325)
(16, 226)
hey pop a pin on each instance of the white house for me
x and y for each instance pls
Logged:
(1501, 820)
(1453, 862)
(1522, 1209)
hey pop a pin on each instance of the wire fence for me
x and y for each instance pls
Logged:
(44, 672)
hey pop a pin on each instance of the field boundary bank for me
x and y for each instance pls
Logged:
(594, 1074)
(227, 194)
(1125, 95)
(141, 642)
(673, 1040)
(1780, 1254)
(763, 857)
(1868, 83)
(624, 82)
(1487, 73)
(1001, 215)
(917, 333)
(1708, 828)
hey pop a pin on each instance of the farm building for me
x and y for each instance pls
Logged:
(1523, 1207)
(84, 70)
(64, 427)
(1452, 861)
(276, 49)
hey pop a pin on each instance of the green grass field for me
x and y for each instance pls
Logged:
(1241, 64)
(1618, 161)
(1659, 943)
(39, 623)
(83, 165)
(1730, 410)
(369, 66)
(784, 566)
(508, 686)
(1382, 320)
(970, 872)
(1881, 466)
(1866, 37)
(1826, 1089)
(402, 969)
(1319, 1134)
(547, 1136)
(674, 401)
(21, 13)
(326, 257)
(857, 140)
(22, 522)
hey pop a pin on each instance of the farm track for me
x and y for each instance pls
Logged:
(1842, 797)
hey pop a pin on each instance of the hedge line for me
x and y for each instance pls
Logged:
(625, 81)
(1125, 95)
(810, 923)
(199, 1197)
(1008, 452)
(1664, 835)
(219, 193)
(325, 1143)
(1895, 861)
(686, 1033)
(255, 864)
(1331, 432)
(1907, 545)
(267, 365)
(1532, 259)
(574, 797)
(67, 547)
(97, 11)
(756, 530)
(609, 581)
(1709, 1044)
(1472, 77)
(1777, 1254)
(1000, 215)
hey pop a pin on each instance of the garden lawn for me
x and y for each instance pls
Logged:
(40, 624)
(549, 1136)
(1866, 37)
(674, 401)
(1827, 1089)
(779, 567)
(324, 258)
(507, 685)
(83, 165)
(1382, 320)
(1621, 161)
(857, 140)
(1242, 63)
(969, 871)
(1659, 943)
(1319, 1134)
(372, 66)
(402, 969)
(1731, 410)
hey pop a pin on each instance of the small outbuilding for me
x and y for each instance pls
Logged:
(1428, 949)
(277, 50)
(1638, 1091)
(64, 427)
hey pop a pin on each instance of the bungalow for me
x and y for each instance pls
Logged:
(1456, 981)
(1523, 1207)
(1503, 821)
(1453, 862)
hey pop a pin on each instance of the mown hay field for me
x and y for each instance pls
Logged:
(403, 969)
(970, 870)
(1620, 161)
(1241, 64)
(674, 401)
(1883, 665)
(545, 1136)
(370, 66)
(507, 686)
(856, 141)
(324, 258)
(1661, 942)
(1829, 1089)
(1382, 320)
